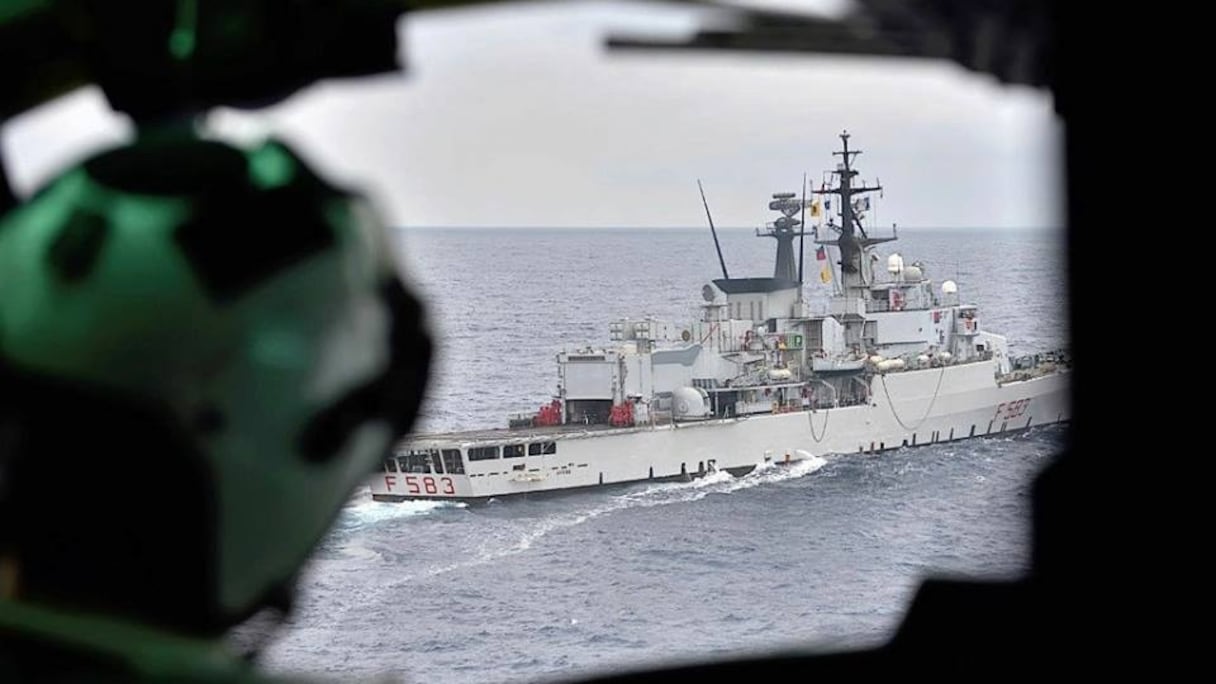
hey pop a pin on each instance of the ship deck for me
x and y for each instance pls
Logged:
(553, 432)
(524, 434)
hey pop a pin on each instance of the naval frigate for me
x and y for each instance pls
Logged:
(759, 380)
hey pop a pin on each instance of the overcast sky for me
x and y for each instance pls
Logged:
(518, 116)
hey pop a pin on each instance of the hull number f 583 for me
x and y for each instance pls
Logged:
(424, 484)
(1011, 410)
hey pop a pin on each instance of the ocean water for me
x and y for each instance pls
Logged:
(825, 555)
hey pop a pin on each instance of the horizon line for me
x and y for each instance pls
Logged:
(669, 227)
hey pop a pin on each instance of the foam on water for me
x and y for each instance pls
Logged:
(530, 531)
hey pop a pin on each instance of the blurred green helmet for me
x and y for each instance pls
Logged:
(203, 351)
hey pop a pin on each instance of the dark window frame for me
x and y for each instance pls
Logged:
(542, 448)
(479, 453)
(453, 462)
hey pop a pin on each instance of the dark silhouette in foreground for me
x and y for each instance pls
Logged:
(136, 525)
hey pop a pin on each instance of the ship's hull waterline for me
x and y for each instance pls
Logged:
(909, 408)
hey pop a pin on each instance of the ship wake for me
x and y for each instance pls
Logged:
(361, 511)
(528, 532)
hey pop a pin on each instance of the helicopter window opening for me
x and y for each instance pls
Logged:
(513, 451)
(436, 462)
(390, 465)
(452, 462)
(483, 453)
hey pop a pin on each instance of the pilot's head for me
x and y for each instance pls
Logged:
(203, 350)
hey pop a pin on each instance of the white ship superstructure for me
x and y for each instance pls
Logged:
(894, 361)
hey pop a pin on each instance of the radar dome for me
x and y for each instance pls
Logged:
(895, 263)
(949, 287)
(690, 403)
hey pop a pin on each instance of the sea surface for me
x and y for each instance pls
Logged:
(824, 555)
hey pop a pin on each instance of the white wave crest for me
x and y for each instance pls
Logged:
(370, 512)
(663, 494)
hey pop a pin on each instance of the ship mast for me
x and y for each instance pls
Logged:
(853, 240)
(784, 230)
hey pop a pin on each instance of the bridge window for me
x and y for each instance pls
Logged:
(390, 465)
(539, 448)
(452, 462)
(483, 453)
(513, 451)
(415, 462)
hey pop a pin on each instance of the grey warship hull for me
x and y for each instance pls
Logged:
(761, 379)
